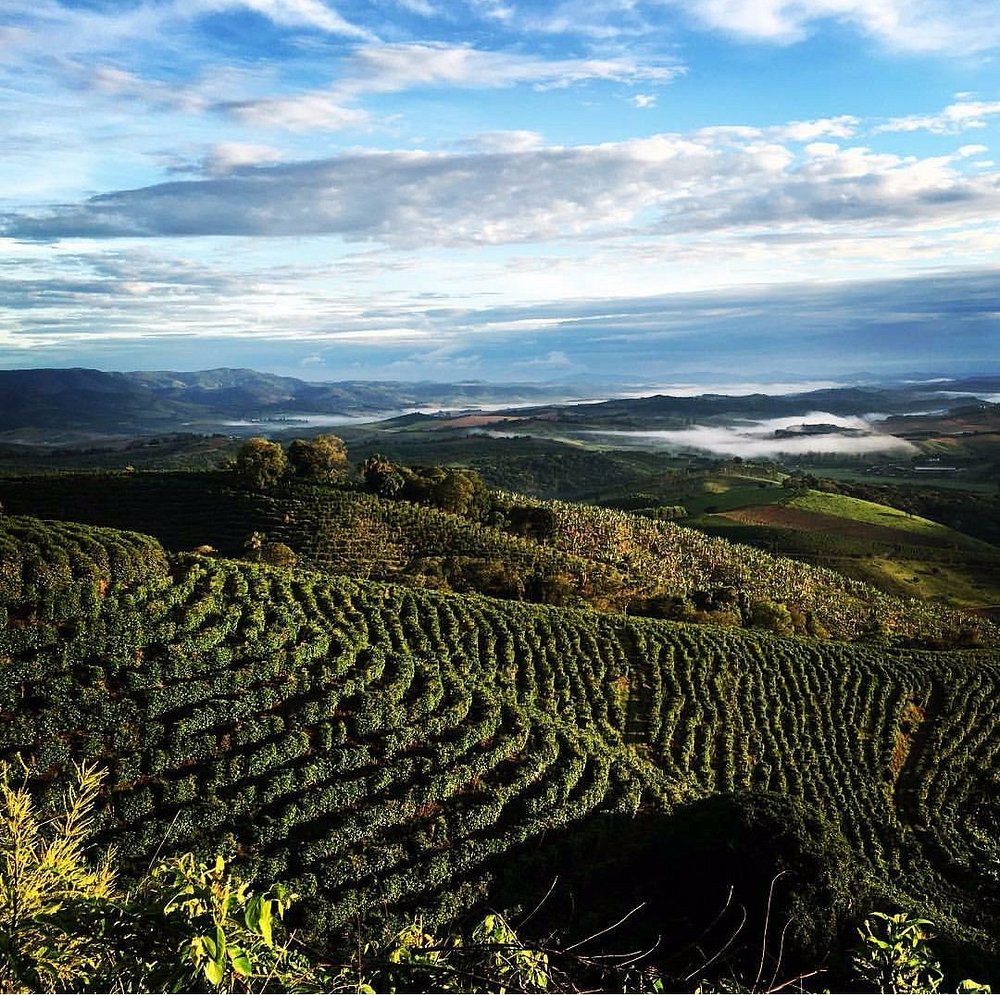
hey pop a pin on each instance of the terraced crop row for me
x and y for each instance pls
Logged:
(384, 748)
(39, 561)
(662, 556)
(606, 557)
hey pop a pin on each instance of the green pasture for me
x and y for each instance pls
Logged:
(858, 510)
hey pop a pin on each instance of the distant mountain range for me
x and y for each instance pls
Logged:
(92, 401)
(36, 402)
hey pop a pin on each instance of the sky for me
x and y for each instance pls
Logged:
(502, 190)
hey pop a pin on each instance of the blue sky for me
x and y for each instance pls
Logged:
(501, 189)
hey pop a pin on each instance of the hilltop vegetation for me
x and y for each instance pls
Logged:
(886, 543)
(439, 527)
(388, 751)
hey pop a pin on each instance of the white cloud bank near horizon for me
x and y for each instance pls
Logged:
(756, 439)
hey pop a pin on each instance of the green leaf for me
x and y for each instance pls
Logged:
(220, 953)
(967, 985)
(240, 960)
(252, 913)
(214, 972)
(204, 947)
(264, 925)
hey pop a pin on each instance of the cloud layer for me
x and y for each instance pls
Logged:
(757, 439)
(667, 184)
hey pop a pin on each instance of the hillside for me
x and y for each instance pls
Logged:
(525, 549)
(67, 401)
(897, 551)
(389, 750)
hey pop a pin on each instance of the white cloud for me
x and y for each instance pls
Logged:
(822, 150)
(608, 20)
(386, 68)
(224, 157)
(520, 140)
(842, 126)
(422, 7)
(303, 112)
(556, 359)
(495, 10)
(954, 119)
(758, 440)
(120, 82)
(397, 67)
(124, 306)
(664, 185)
(644, 101)
(48, 26)
(924, 26)
(288, 13)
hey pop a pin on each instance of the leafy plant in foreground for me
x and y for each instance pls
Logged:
(49, 892)
(66, 926)
(228, 930)
(895, 957)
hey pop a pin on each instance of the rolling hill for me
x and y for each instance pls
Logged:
(578, 554)
(389, 750)
(899, 552)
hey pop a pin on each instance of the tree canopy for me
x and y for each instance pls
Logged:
(321, 459)
(260, 463)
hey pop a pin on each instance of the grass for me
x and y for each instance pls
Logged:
(962, 576)
(858, 510)
(721, 494)
(946, 583)
(958, 482)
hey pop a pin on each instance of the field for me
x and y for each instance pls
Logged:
(424, 708)
(389, 750)
(899, 552)
(919, 530)
(583, 555)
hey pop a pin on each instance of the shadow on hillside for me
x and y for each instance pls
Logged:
(752, 885)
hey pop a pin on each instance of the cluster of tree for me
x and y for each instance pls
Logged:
(455, 489)
(538, 583)
(810, 482)
(262, 463)
(729, 606)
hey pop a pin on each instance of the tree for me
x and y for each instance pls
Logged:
(382, 476)
(773, 616)
(459, 491)
(534, 521)
(260, 463)
(322, 459)
(278, 554)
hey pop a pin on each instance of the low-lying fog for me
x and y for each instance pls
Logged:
(751, 439)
